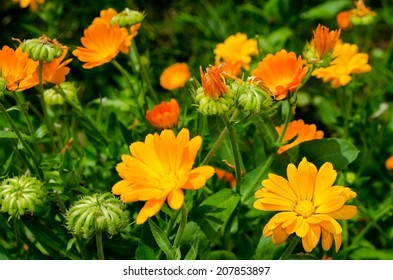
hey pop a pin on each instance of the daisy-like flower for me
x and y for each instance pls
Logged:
(33, 4)
(309, 205)
(389, 163)
(280, 73)
(165, 115)
(175, 76)
(346, 61)
(236, 52)
(101, 43)
(17, 69)
(303, 132)
(160, 169)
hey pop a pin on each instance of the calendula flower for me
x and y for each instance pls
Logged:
(226, 176)
(346, 61)
(322, 44)
(101, 43)
(17, 69)
(280, 73)
(303, 132)
(361, 15)
(175, 76)
(33, 4)
(389, 163)
(343, 19)
(236, 52)
(308, 204)
(165, 115)
(214, 81)
(160, 169)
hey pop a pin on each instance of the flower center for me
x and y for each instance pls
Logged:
(169, 182)
(305, 208)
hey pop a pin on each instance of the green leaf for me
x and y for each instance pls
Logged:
(224, 151)
(11, 135)
(144, 252)
(326, 10)
(339, 152)
(6, 165)
(222, 255)
(41, 132)
(162, 241)
(193, 252)
(266, 250)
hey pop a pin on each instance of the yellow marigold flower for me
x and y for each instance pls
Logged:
(280, 73)
(17, 69)
(213, 81)
(389, 163)
(101, 43)
(160, 169)
(304, 132)
(33, 4)
(346, 61)
(324, 40)
(165, 115)
(309, 205)
(175, 76)
(236, 52)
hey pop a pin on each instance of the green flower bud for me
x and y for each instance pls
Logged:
(42, 49)
(96, 213)
(128, 17)
(209, 106)
(362, 20)
(20, 195)
(251, 97)
(53, 97)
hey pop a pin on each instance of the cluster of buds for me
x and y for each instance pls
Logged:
(128, 17)
(96, 213)
(53, 97)
(42, 49)
(20, 195)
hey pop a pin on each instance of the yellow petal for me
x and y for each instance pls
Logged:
(337, 241)
(146, 154)
(305, 178)
(330, 205)
(324, 180)
(311, 240)
(331, 226)
(303, 227)
(175, 199)
(181, 141)
(327, 240)
(279, 236)
(292, 178)
(344, 213)
(141, 193)
(150, 208)
(280, 186)
(120, 187)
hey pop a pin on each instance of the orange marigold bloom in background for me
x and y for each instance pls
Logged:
(17, 69)
(226, 176)
(280, 73)
(389, 163)
(236, 52)
(324, 40)
(308, 203)
(343, 19)
(304, 132)
(346, 61)
(361, 15)
(160, 169)
(32, 3)
(101, 43)
(175, 76)
(213, 81)
(165, 115)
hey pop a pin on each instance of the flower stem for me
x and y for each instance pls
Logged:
(235, 151)
(219, 140)
(24, 111)
(100, 247)
(125, 74)
(182, 226)
(295, 240)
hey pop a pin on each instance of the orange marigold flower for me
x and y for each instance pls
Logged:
(213, 81)
(165, 115)
(343, 19)
(309, 205)
(226, 176)
(304, 132)
(175, 76)
(361, 15)
(236, 52)
(280, 73)
(160, 169)
(346, 61)
(324, 40)
(17, 69)
(32, 3)
(101, 43)
(389, 163)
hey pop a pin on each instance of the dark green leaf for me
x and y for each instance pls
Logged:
(326, 10)
(162, 241)
(41, 132)
(144, 252)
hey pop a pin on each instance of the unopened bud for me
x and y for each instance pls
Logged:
(251, 97)
(42, 49)
(128, 17)
(209, 106)
(53, 97)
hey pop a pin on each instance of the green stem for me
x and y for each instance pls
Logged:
(235, 151)
(295, 240)
(24, 111)
(100, 247)
(216, 144)
(125, 74)
(182, 226)
(47, 120)
(145, 77)
(29, 151)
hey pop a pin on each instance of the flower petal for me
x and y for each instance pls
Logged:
(175, 199)
(149, 210)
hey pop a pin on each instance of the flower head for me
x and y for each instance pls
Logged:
(346, 61)
(101, 43)
(165, 115)
(343, 19)
(33, 4)
(17, 69)
(389, 163)
(55, 71)
(20, 195)
(303, 132)
(175, 76)
(236, 52)
(97, 212)
(309, 205)
(361, 15)
(280, 73)
(214, 81)
(160, 169)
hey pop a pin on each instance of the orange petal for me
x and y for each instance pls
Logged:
(176, 199)
(150, 208)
